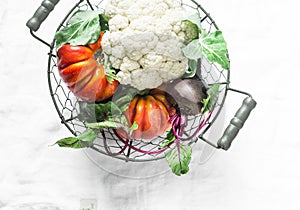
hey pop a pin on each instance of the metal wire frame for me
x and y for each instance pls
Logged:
(213, 74)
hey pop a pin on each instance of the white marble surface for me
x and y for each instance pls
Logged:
(261, 170)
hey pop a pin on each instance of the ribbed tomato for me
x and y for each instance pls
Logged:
(151, 112)
(82, 73)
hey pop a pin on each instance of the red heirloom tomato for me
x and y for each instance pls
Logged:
(84, 76)
(151, 112)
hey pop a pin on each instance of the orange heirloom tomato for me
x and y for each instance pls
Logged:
(151, 112)
(84, 76)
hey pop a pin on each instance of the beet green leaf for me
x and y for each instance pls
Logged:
(179, 158)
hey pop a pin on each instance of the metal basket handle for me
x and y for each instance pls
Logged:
(236, 123)
(41, 14)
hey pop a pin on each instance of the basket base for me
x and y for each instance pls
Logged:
(202, 152)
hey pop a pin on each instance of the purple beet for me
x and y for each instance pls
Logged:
(187, 94)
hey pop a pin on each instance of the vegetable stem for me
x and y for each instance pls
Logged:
(178, 126)
(106, 147)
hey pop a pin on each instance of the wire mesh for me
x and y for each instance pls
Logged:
(108, 143)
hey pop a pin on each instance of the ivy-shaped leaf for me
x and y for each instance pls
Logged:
(82, 28)
(212, 46)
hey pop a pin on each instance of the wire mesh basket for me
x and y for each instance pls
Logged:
(139, 150)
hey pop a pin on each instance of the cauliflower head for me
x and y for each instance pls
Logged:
(145, 41)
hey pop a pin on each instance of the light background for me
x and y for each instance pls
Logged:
(260, 171)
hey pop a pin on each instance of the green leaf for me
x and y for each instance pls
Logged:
(87, 136)
(134, 126)
(205, 105)
(179, 158)
(85, 139)
(98, 112)
(104, 22)
(69, 142)
(110, 110)
(212, 46)
(104, 124)
(190, 73)
(212, 97)
(193, 50)
(82, 28)
(109, 71)
(169, 139)
(110, 74)
(124, 102)
(123, 97)
(109, 115)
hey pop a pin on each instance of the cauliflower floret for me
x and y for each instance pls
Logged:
(137, 43)
(106, 43)
(115, 62)
(115, 7)
(111, 39)
(125, 77)
(124, 4)
(118, 23)
(173, 4)
(140, 79)
(174, 52)
(151, 60)
(118, 51)
(169, 69)
(145, 23)
(129, 65)
(156, 8)
(145, 41)
(176, 28)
